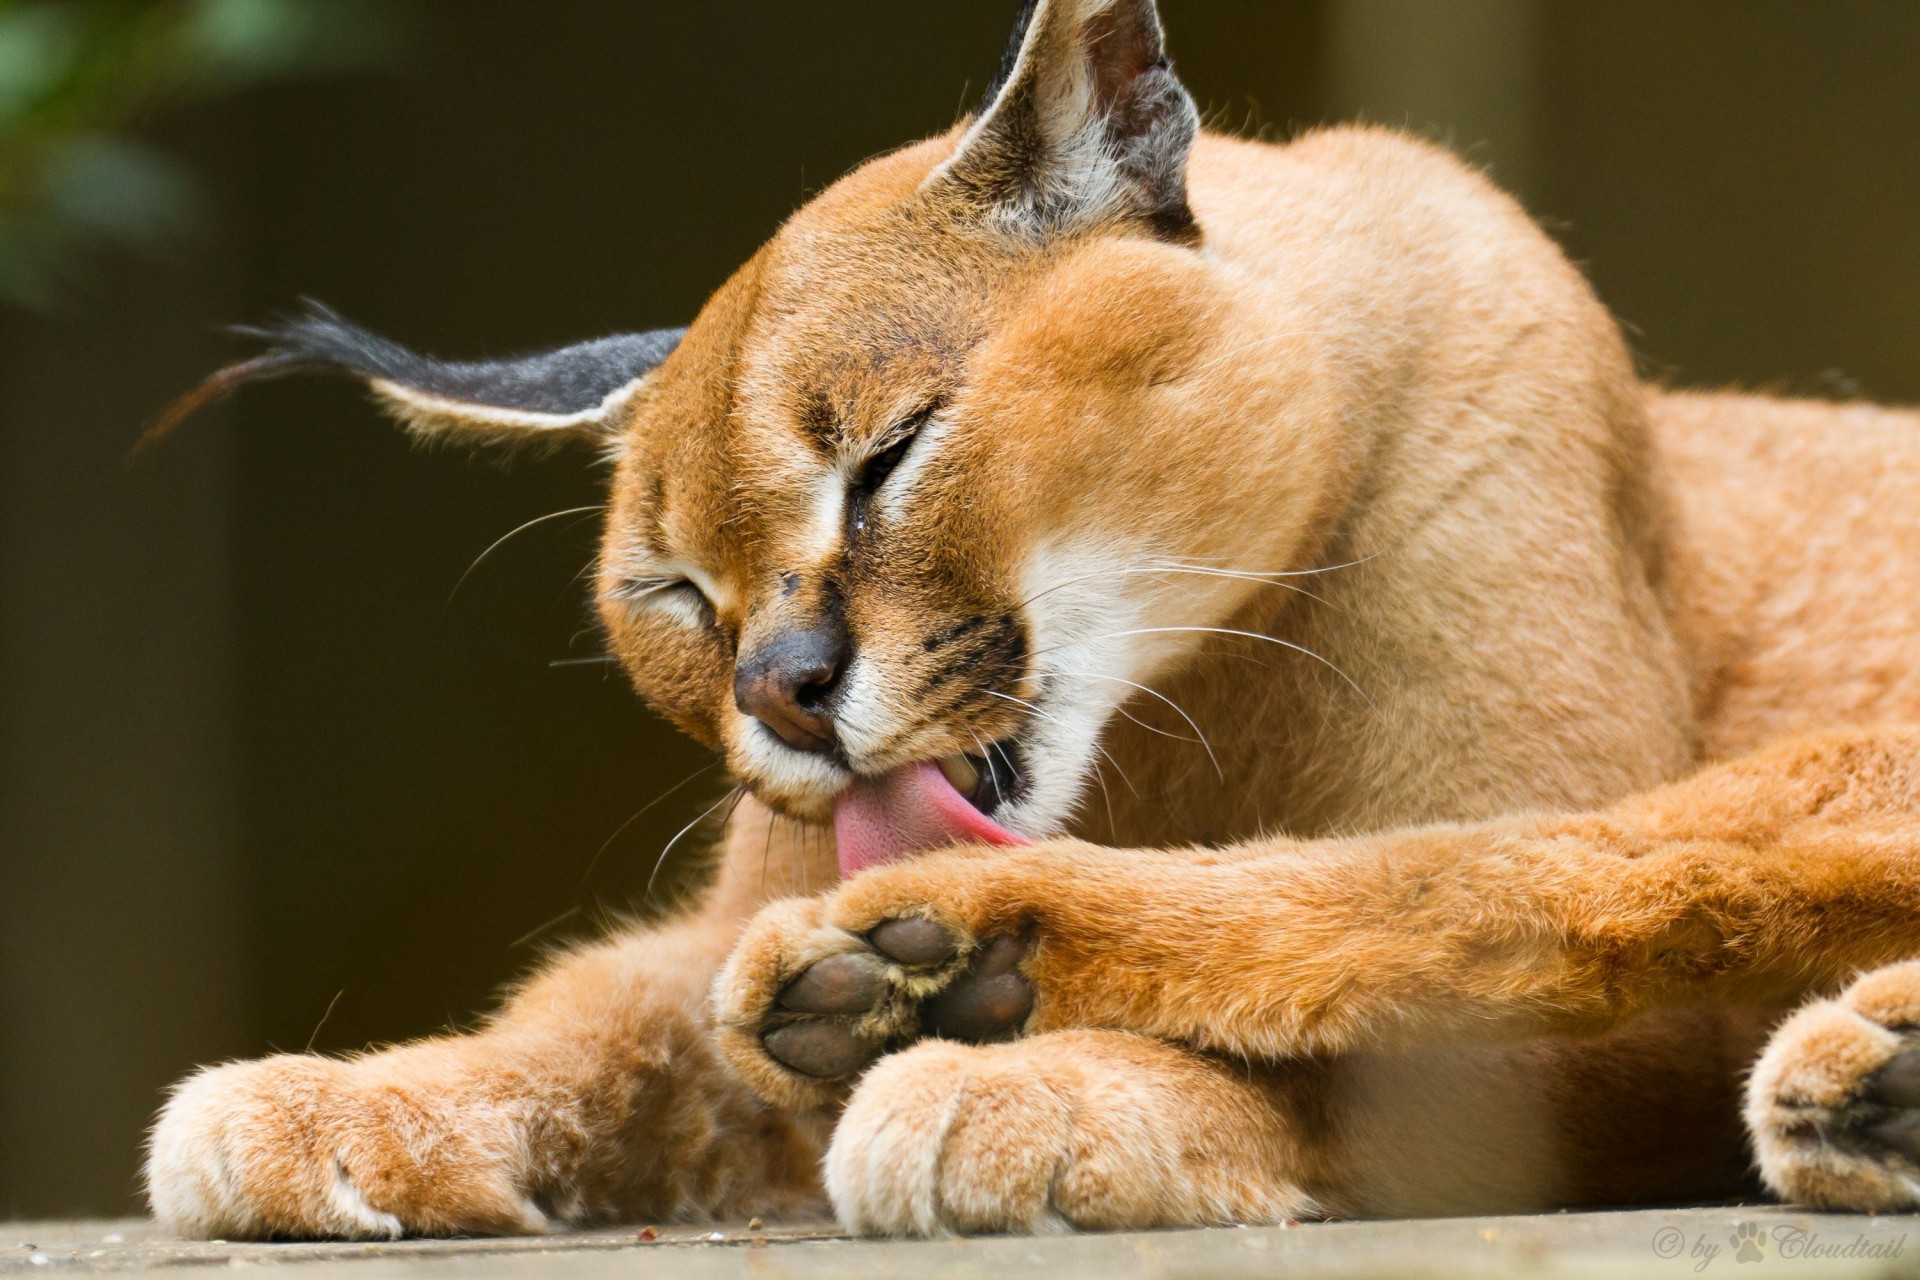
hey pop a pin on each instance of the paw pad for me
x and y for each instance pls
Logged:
(1833, 1105)
(912, 977)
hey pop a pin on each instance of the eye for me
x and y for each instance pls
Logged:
(882, 464)
(680, 596)
(875, 470)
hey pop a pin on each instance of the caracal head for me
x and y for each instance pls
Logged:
(910, 491)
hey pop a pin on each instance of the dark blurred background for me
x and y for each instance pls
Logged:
(266, 779)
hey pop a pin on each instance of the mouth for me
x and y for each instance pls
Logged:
(928, 804)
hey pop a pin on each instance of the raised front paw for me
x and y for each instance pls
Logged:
(302, 1146)
(1834, 1103)
(819, 988)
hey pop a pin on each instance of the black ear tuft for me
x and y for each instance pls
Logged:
(1022, 23)
(576, 390)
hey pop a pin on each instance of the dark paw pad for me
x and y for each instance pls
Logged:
(840, 1013)
(849, 984)
(1894, 1091)
(1897, 1084)
(818, 1047)
(916, 942)
(990, 1001)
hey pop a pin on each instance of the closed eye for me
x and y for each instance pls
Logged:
(874, 472)
(882, 464)
(680, 596)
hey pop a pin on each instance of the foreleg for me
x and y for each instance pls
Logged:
(595, 1093)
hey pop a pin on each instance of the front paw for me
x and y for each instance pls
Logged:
(1068, 1130)
(1834, 1103)
(301, 1146)
(819, 988)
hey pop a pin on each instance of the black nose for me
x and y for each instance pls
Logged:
(786, 682)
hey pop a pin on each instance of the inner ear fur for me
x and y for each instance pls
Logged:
(574, 392)
(1086, 125)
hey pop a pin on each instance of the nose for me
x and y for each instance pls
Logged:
(785, 684)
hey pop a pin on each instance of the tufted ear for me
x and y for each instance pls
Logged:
(1085, 125)
(574, 392)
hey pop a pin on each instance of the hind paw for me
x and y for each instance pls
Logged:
(1833, 1105)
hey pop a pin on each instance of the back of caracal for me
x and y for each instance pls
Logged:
(1243, 706)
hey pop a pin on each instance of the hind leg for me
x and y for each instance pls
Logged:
(1834, 1104)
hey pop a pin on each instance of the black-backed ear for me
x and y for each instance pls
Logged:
(1085, 125)
(570, 392)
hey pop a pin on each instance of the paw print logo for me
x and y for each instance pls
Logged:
(1749, 1244)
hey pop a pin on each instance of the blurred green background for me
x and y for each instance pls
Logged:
(266, 780)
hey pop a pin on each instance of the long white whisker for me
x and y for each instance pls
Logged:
(1255, 635)
(637, 814)
(510, 534)
(1036, 711)
(1295, 572)
(1199, 571)
(1279, 573)
(1070, 582)
(1274, 578)
(733, 795)
(766, 850)
(1106, 799)
(1178, 710)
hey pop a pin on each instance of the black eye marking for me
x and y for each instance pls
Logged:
(941, 639)
(974, 654)
(878, 466)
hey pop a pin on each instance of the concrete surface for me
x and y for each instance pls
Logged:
(1776, 1242)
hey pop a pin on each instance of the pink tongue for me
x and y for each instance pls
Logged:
(905, 812)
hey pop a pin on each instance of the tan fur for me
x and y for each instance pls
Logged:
(1592, 724)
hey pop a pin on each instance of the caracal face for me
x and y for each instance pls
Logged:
(941, 469)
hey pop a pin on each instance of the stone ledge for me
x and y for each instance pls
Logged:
(1653, 1243)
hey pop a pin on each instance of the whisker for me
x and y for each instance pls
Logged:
(804, 862)
(1290, 573)
(1272, 578)
(637, 814)
(766, 852)
(1259, 579)
(539, 929)
(323, 1019)
(1070, 582)
(1106, 801)
(591, 566)
(985, 754)
(1177, 708)
(513, 533)
(1255, 635)
(734, 795)
(1033, 710)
